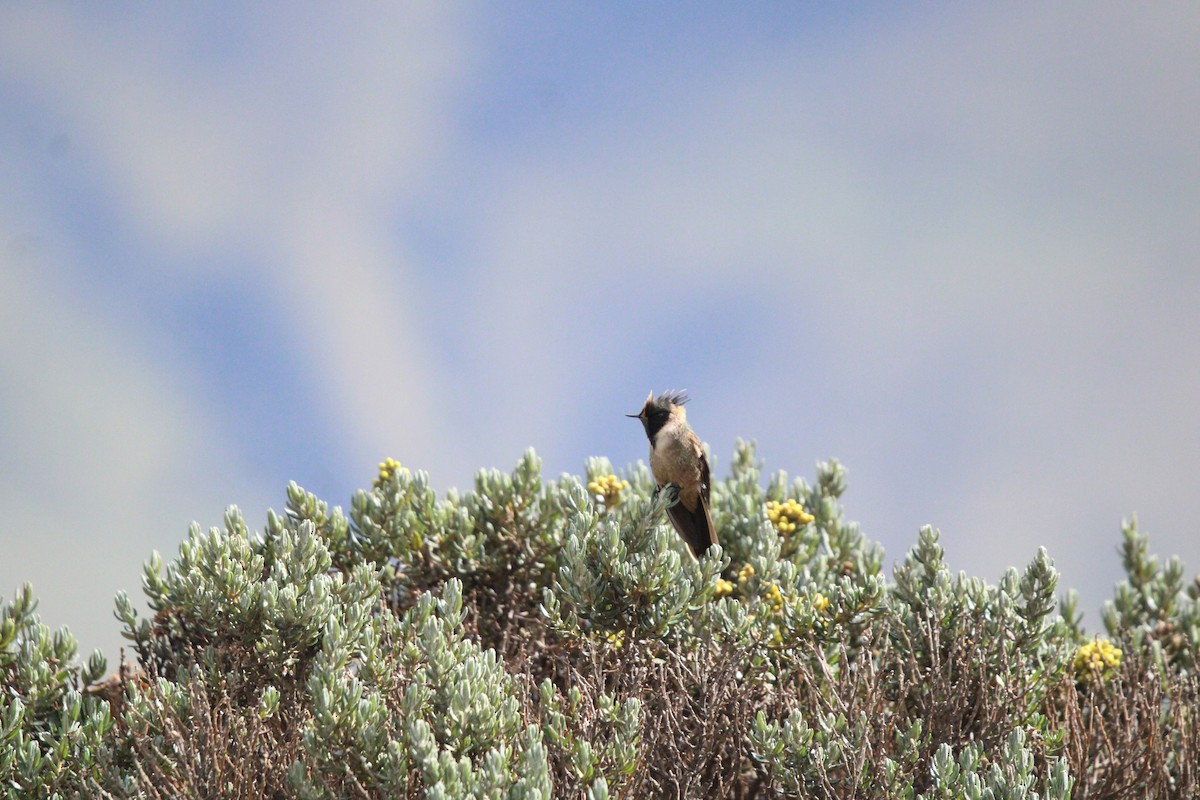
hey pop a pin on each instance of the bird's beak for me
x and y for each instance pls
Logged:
(635, 416)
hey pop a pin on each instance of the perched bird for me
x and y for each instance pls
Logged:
(677, 458)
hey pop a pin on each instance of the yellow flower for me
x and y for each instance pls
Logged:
(787, 516)
(608, 488)
(745, 573)
(724, 588)
(1099, 658)
(819, 602)
(388, 468)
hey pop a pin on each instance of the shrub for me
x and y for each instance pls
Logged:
(537, 639)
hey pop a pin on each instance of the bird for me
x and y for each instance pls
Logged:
(677, 460)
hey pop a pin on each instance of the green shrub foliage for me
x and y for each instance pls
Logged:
(543, 639)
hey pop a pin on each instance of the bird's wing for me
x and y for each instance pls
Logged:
(695, 525)
(705, 477)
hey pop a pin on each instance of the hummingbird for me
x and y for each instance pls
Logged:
(677, 459)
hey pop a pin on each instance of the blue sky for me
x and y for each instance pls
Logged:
(952, 245)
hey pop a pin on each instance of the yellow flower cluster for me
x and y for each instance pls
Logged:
(775, 601)
(775, 598)
(1097, 659)
(787, 516)
(608, 488)
(388, 468)
(615, 638)
(724, 588)
(745, 574)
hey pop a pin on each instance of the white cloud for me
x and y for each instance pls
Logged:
(112, 456)
(106, 457)
(296, 164)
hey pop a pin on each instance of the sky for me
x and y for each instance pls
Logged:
(952, 245)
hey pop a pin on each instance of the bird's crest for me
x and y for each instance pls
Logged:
(668, 399)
